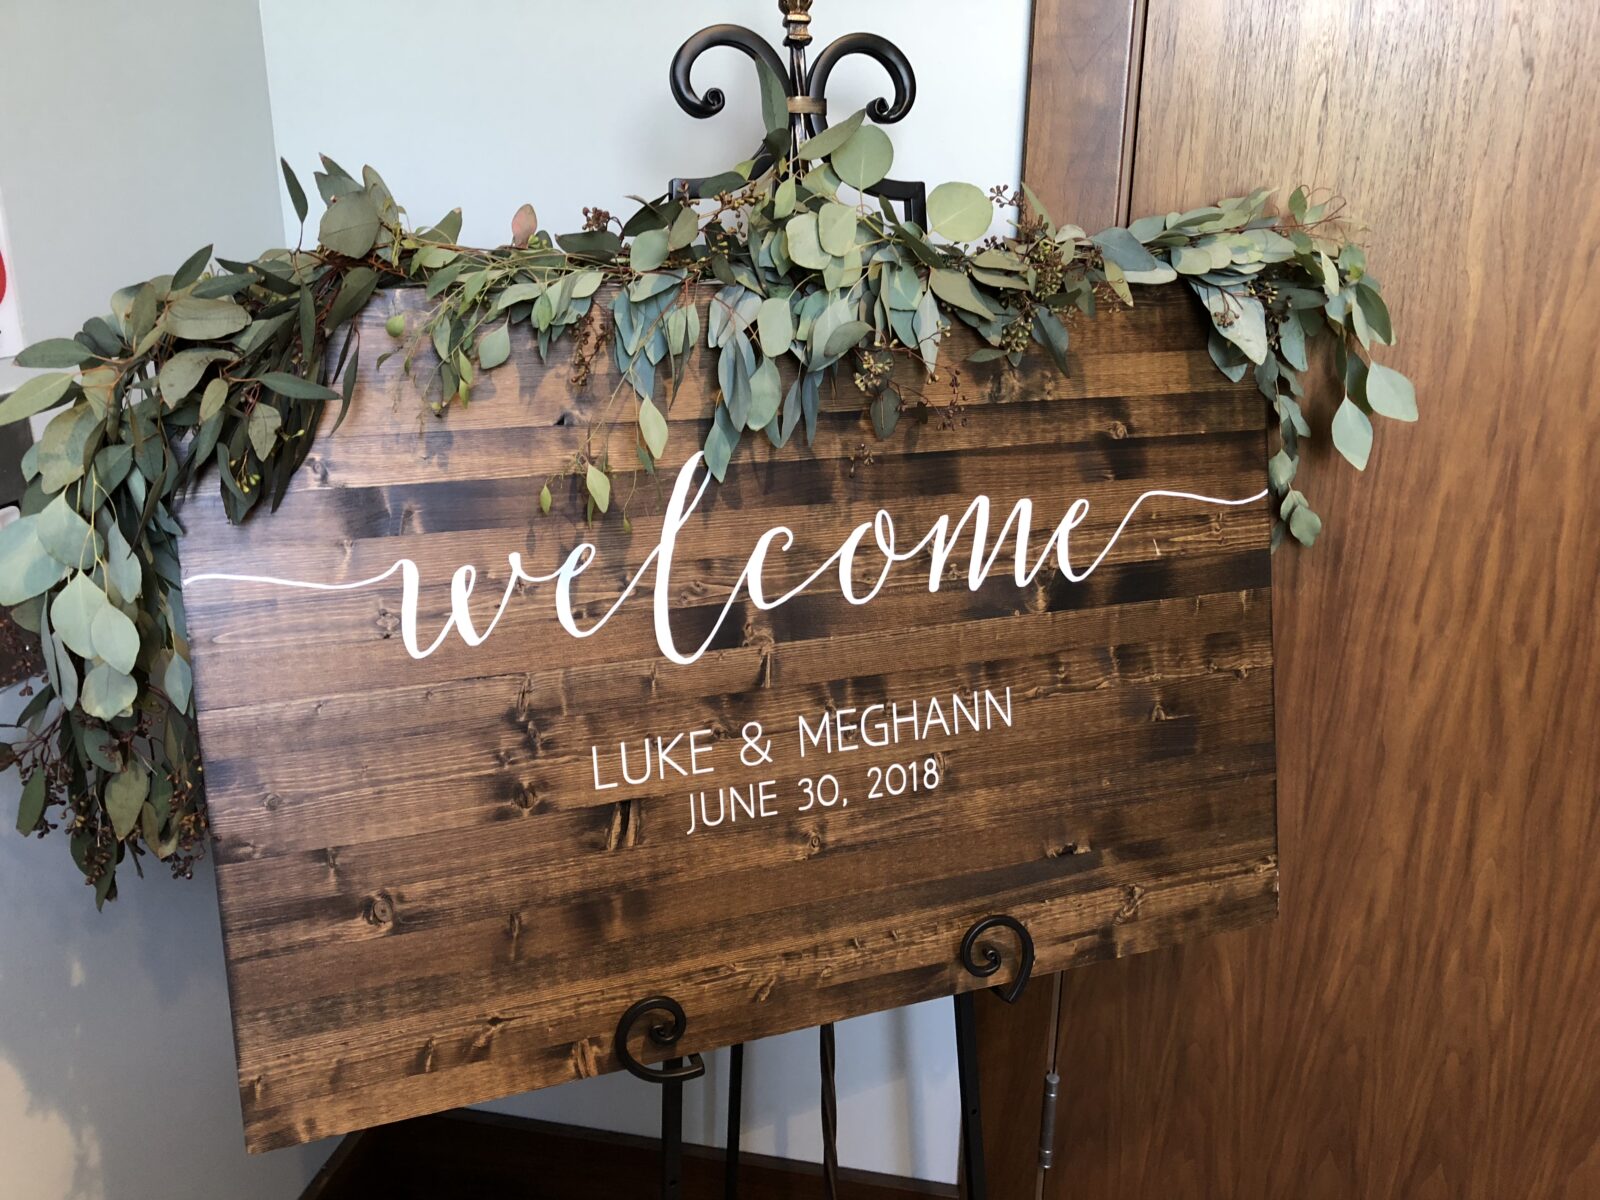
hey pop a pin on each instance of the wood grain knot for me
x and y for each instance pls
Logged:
(1130, 905)
(387, 622)
(585, 1058)
(380, 909)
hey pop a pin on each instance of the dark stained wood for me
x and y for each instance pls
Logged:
(1082, 100)
(470, 1155)
(426, 902)
(1422, 1022)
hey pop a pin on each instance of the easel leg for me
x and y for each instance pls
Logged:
(973, 1170)
(830, 1110)
(672, 1135)
(730, 1178)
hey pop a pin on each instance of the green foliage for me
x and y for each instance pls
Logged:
(226, 368)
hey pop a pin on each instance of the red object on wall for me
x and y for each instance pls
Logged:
(2, 276)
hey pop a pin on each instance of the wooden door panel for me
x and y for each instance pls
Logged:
(1422, 1021)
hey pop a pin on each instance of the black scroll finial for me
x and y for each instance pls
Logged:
(806, 88)
(664, 1034)
(990, 963)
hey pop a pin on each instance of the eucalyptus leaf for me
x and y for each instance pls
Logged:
(263, 426)
(350, 225)
(122, 565)
(73, 611)
(191, 270)
(1054, 335)
(783, 200)
(1305, 525)
(956, 289)
(649, 250)
(1391, 394)
(1121, 247)
(34, 395)
(836, 228)
(1375, 311)
(54, 354)
(178, 682)
(885, 411)
(64, 446)
(31, 807)
(1292, 343)
(775, 322)
(1281, 470)
(721, 442)
(202, 320)
(774, 101)
(830, 139)
(766, 393)
(494, 347)
(865, 159)
(294, 387)
(1352, 434)
(1160, 273)
(599, 487)
(212, 399)
(1238, 317)
(684, 229)
(180, 373)
(125, 796)
(297, 194)
(959, 211)
(653, 428)
(804, 242)
(116, 638)
(27, 569)
(67, 536)
(846, 337)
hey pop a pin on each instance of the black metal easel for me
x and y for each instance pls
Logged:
(980, 958)
(806, 89)
(671, 1075)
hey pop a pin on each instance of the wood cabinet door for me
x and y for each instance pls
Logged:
(1420, 1021)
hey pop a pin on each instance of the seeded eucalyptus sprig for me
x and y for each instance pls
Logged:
(227, 368)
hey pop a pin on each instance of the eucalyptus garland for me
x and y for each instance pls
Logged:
(226, 367)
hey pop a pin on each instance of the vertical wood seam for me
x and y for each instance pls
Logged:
(1130, 112)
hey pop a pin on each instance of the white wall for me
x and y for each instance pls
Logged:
(528, 116)
(129, 135)
(531, 118)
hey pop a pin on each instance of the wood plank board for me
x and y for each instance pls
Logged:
(437, 886)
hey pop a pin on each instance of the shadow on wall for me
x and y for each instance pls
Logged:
(116, 1056)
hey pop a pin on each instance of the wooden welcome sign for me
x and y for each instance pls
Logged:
(481, 779)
